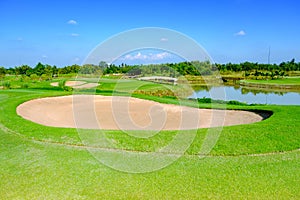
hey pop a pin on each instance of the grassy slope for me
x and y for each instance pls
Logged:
(32, 170)
(271, 135)
(284, 81)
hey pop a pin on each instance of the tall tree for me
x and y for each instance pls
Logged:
(2, 72)
(48, 70)
(39, 69)
(22, 70)
(103, 64)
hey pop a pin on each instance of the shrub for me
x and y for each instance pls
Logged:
(209, 100)
(24, 85)
(62, 85)
(6, 84)
(24, 79)
(45, 77)
(34, 77)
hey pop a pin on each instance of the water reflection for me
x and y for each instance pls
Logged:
(248, 95)
(255, 92)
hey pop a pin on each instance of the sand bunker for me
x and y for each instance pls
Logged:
(77, 84)
(86, 85)
(125, 113)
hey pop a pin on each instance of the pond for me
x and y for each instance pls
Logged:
(246, 95)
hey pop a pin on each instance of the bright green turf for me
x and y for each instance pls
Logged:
(271, 135)
(284, 81)
(35, 162)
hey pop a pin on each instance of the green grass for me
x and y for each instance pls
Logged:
(271, 135)
(35, 171)
(254, 161)
(284, 81)
(129, 85)
(19, 82)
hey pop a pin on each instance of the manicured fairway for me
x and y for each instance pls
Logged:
(284, 81)
(254, 161)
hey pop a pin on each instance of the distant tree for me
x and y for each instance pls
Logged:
(48, 71)
(90, 69)
(2, 72)
(34, 77)
(247, 74)
(135, 71)
(272, 75)
(11, 71)
(29, 72)
(39, 69)
(54, 70)
(22, 70)
(103, 64)
(45, 77)
(292, 61)
(247, 66)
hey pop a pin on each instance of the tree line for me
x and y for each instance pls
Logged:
(248, 66)
(47, 71)
(195, 68)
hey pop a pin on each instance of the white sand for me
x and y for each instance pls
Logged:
(77, 84)
(124, 113)
(87, 85)
(55, 84)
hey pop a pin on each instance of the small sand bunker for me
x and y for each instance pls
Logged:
(77, 84)
(55, 84)
(86, 85)
(125, 113)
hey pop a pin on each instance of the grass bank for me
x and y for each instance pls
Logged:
(290, 84)
(254, 161)
(283, 81)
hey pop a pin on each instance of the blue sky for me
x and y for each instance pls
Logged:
(64, 32)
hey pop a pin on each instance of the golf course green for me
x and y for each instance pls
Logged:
(252, 161)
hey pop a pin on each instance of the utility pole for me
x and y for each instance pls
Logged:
(269, 55)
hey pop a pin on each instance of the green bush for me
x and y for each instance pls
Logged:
(46, 77)
(62, 83)
(6, 84)
(34, 77)
(209, 100)
(24, 85)
(24, 79)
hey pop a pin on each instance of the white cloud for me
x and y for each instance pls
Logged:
(44, 56)
(160, 56)
(147, 57)
(138, 56)
(74, 34)
(164, 39)
(19, 39)
(240, 33)
(76, 59)
(73, 22)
